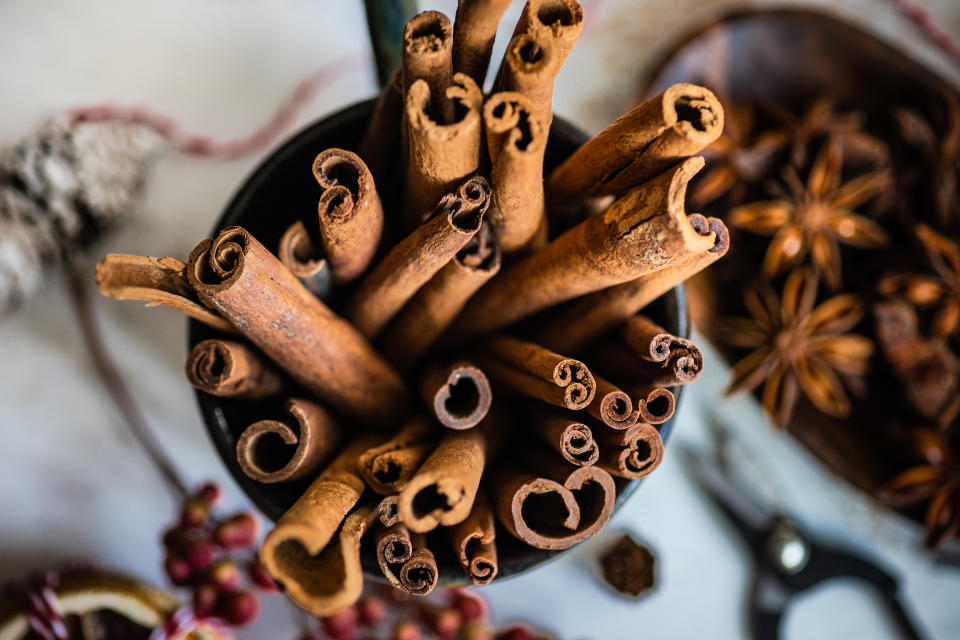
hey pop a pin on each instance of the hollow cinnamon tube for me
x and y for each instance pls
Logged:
(440, 156)
(310, 429)
(443, 489)
(350, 215)
(631, 453)
(156, 281)
(577, 324)
(572, 439)
(235, 274)
(639, 234)
(231, 369)
(393, 548)
(529, 67)
(427, 55)
(671, 360)
(474, 541)
(516, 140)
(559, 20)
(612, 405)
(388, 466)
(639, 145)
(579, 504)
(421, 321)
(536, 372)
(405, 560)
(320, 576)
(655, 404)
(380, 147)
(387, 511)
(474, 29)
(297, 253)
(459, 394)
(415, 259)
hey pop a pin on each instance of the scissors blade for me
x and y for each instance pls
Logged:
(750, 519)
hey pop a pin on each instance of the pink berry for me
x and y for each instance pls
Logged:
(200, 554)
(178, 570)
(205, 599)
(470, 605)
(261, 577)
(477, 630)
(406, 631)
(210, 494)
(342, 625)
(194, 514)
(175, 539)
(238, 532)
(372, 611)
(224, 575)
(238, 608)
(445, 623)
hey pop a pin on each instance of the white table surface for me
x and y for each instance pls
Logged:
(73, 483)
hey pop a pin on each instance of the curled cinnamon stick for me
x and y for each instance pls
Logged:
(631, 453)
(613, 406)
(579, 323)
(474, 541)
(437, 303)
(387, 511)
(474, 29)
(459, 395)
(235, 274)
(415, 259)
(406, 561)
(655, 405)
(380, 147)
(311, 430)
(440, 156)
(517, 140)
(671, 360)
(387, 467)
(319, 575)
(156, 281)
(556, 505)
(231, 370)
(572, 439)
(559, 20)
(640, 145)
(536, 372)
(297, 253)
(639, 234)
(394, 547)
(427, 55)
(529, 67)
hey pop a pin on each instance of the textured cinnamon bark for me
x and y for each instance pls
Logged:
(655, 404)
(297, 253)
(643, 379)
(156, 281)
(474, 541)
(639, 234)
(668, 360)
(639, 145)
(393, 548)
(559, 20)
(415, 259)
(235, 274)
(387, 511)
(459, 394)
(443, 489)
(232, 370)
(516, 139)
(350, 214)
(312, 431)
(380, 147)
(437, 303)
(572, 439)
(531, 370)
(561, 520)
(474, 30)
(387, 467)
(629, 567)
(318, 569)
(578, 324)
(632, 453)
(439, 156)
(612, 406)
(529, 67)
(427, 55)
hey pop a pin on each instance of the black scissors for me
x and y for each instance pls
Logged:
(788, 560)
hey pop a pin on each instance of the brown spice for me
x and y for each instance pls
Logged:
(380, 146)
(474, 30)
(529, 68)
(297, 253)
(459, 395)
(632, 453)
(232, 369)
(628, 566)
(426, 55)
(474, 541)
(566, 435)
(388, 467)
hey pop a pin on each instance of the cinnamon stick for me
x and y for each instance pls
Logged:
(613, 406)
(387, 467)
(440, 156)
(536, 372)
(387, 511)
(632, 453)
(474, 30)
(421, 321)
(641, 144)
(459, 395)
(523, 507)
(309, 428)
(415, 259)
(427, 55)
(579, 323)
(157, 281)
(572, 439)
(670, 360)
(559, 20)
(516, 140)
(380, 147)
(235, 274)
(474, 542)
(529, 67)
(639, 234)
(406, 561)
(231, 369)
(655, 404)
(297, 253)
(319, 575)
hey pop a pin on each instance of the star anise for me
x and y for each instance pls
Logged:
(940, 290)
(817, 217)
(936, 483)
(797, 346)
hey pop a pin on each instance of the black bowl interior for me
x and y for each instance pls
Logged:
(277, 192)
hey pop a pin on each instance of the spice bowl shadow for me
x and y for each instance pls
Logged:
(271, 199)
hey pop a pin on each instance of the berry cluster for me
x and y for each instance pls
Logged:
(206, 554)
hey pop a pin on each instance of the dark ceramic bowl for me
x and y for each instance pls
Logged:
(267, 203)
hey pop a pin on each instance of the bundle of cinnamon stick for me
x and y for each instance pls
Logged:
(424, 414)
